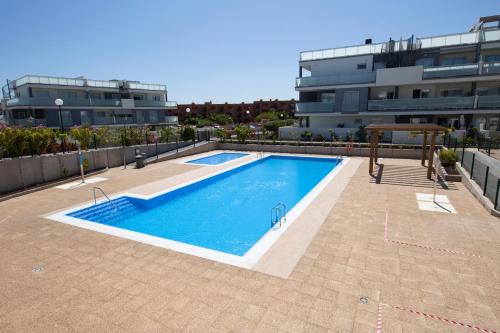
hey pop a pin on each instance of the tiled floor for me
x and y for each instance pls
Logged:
(98, 283)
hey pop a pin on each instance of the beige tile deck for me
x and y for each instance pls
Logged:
(98, 283)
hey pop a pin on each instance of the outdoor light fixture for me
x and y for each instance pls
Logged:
(188, 110)
(59, 102)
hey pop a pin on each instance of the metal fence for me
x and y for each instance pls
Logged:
(484, 170)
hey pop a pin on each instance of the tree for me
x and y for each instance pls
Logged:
(167, 132)
(242, 133)
(82, 135)
(188, 133)
(221, 118)
(221, 134)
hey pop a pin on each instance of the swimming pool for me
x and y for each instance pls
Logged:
(217, 159)
(220, 217)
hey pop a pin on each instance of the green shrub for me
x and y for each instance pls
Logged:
(307, 135)
(242, 133)
(83, 135)
(167, 132)
(221, 118)
(188, 133)
(221, 134)
(448, 157)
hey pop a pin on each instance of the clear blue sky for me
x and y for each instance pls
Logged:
(225, 50)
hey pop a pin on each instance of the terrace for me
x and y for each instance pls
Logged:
(373, 252)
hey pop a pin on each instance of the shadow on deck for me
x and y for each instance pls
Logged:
(402, 175)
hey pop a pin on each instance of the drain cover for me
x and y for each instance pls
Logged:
(363, 300)
(38, 269)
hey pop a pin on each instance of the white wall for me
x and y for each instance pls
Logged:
(332, 121)
(399, 76)
(339, 65)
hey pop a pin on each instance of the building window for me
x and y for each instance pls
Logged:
(361, 66)
(153, 116)
(328, 97)
(350, 102)
(452, 93)
(139, 97)
(454, 61)
(69, 95)
(139, 116)
(67, 118)
(41, 94)
(156, 98)
(85, 116)
(94, 95)
(492, 58)
(426, 62)
(421, 93)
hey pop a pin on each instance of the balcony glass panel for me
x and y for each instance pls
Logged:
(314, 107)
(102, 84)
(49, 80)
(491, 68)
(146, 86)
(489, 102)
(446, 103)
(171, 104)
(447, 40)
(344, 51)
(351, 78)
(492, 35)
(448, 71)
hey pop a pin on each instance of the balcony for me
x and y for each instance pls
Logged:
(488, 102)
(83, 102)
(351, 78)
(442, 103)
(450, 71)
(491, 68)
(448, 40)
(314, 107)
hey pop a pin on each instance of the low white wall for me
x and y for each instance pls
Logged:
(22, 172)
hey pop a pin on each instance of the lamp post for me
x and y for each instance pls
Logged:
(59, 102)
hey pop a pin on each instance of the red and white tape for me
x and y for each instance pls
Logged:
(379, 319)
(386, 239)
(448, 321)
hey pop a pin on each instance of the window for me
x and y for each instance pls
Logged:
(156, 98)
(454, 61)
(482, 91)
(361, 66)
(95, 95)
(85, 116)
(69, 95)
(139, 117)
(350, 102)
(492, 58)
(41, 94)
(385, 95)
(426, 62)
(139, 97)
(67, 118)
(328, 97)
(452, 93)
(421, 93)
(153, 116)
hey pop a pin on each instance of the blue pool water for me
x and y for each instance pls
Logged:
(217, 158)
(228, 212)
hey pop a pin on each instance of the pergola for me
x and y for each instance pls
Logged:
(426, 129)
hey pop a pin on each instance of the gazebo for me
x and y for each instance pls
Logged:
(426, 129)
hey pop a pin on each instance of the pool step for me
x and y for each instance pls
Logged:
(108, 211)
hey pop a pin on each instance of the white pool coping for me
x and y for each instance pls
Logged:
(248, 260)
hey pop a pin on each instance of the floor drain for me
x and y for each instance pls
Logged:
(363, 300)
(38, 269)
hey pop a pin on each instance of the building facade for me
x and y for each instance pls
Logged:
(30, 101)
(451, 80)
(238, 111)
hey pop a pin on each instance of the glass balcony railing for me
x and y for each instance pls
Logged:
(488, 102)
(491, 68)
(147, 86)
(450, 71)
(351, 78)
(34, 79)
(102, 84)
(491, 35)
(448, 40)
(314, 107)
(441, 103)
(146, 103)
(84, 102)
(171, 104)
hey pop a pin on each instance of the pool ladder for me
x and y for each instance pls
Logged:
(104, 193)
(278, 214)
(260, 154)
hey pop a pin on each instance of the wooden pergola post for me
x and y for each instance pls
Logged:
(431, 155)
(424, 148)
(370, 171)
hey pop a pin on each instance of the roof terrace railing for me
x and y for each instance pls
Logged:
(450, 71)
(147, 86)
(448, 40)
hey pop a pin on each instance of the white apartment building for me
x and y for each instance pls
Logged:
(451, 80)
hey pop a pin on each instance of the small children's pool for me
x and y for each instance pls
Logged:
(217, 158)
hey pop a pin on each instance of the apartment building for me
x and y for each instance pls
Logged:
(31, 101)
(451, 80)
(240, 112)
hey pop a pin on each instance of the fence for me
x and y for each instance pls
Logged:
(482, 169)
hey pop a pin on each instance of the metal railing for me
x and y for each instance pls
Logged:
(491, 68)
(104, 193)
(483, 170)
(278, 214)
(348, 78)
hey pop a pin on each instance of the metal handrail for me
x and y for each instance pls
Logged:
(279, 214)
(104, 193)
